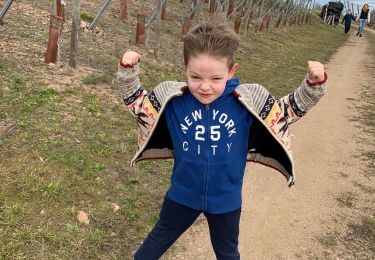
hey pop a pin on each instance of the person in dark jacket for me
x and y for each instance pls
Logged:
(348, 18)
(211, 125)
(363, 18)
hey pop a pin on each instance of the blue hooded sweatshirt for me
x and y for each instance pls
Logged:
(348, 19)
(210, 148)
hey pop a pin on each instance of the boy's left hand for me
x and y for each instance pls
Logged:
(316, 71)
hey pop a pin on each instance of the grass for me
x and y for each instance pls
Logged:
(93, 79)
(86, 17)
(68, 149)
(359, 239)
(328, 240)
(346, 199)
(275, 56)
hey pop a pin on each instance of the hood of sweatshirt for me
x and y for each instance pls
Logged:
(230, 86)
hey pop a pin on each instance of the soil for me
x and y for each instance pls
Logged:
(278, 222)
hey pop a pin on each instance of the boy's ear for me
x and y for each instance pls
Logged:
(232, 71)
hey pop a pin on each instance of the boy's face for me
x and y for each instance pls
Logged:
(207, 77)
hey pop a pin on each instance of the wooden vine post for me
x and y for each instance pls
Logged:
(74, 34)
(230, 7)
(55, 26)
(123, 10)
(237, 23)
(163, 10)
(140, 37)
(185, 26)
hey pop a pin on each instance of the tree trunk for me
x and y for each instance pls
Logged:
(123, 10)
(140, 37)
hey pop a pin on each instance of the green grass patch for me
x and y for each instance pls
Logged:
(93, 79)
(279, 60)
(86, 17)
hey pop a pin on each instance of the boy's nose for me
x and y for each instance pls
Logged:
(205, 86)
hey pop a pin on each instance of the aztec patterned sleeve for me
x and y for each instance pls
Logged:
(142, 104)
(287, 109)
(131, 90)
(298, 103)
(277, 114)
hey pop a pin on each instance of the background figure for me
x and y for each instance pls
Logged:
(348, 20)
(363, 18)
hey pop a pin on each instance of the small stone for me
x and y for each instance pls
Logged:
(115, 207)
(83, 25)
(83, 218)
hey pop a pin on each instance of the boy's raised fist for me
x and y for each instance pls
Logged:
(130, 58)
(316, 71)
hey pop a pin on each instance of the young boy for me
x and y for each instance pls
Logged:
(211, 125)
(348, 17)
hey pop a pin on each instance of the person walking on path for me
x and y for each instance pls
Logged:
(363, 18)
(211, 125)
(348, 18)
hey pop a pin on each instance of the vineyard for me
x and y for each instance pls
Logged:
(150, 18)
(147, 20)
(65, 139)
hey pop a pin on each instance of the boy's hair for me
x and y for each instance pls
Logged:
(211, 39)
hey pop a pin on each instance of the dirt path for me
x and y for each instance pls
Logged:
(282, 223)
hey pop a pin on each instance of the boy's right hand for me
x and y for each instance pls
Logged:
(131, 58)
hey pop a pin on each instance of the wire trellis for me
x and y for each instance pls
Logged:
(256, 15)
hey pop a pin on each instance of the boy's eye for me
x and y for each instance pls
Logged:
(194, 77)
(217, 78)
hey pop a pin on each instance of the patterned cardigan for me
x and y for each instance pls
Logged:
(269, 141)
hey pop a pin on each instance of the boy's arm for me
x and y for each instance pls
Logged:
(313, 87)
(131, 90)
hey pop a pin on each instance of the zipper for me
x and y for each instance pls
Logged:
(206, 175)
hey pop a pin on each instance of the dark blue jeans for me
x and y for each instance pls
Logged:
(347, 27)
(175, 219)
